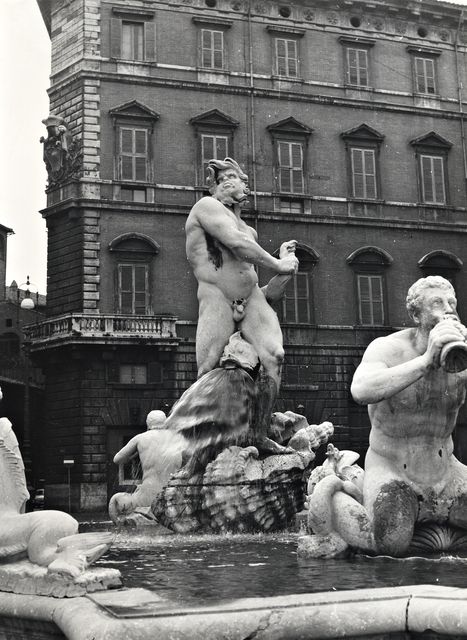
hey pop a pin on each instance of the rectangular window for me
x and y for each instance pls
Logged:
(433, 182)
(286, 58)
(370, 299)
(133, 155)
(291, 206)
(213, 147)
(133, 288)
(212, 49)
(133, 374)
(296, 300)
(290, 160)
(133, 40)
(425, 75)
(133, 195)
(363, 173)
(357, 67)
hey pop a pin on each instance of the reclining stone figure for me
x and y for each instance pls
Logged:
(47, 538)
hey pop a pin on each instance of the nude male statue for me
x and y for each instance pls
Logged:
(223, 251)
(411, 474)
(160, 454)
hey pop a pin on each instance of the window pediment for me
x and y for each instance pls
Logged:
(441, 259)
(290, 126)
(219, 23)
(214, 119)
(363, 133)
(432, 140)
(357, 41)
(371, 256)
(134, 243)
(134, 110)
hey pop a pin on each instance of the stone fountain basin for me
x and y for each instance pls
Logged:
(198, 586)
(137, 614)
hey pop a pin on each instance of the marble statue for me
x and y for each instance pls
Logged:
(414, 383)
(160, 454)
(57, 556)
(223, 252)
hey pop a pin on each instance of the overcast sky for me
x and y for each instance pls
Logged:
(24, 69)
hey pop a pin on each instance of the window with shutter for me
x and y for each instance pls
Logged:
(290, 163)
(425, 75)
(357, 67)
(370, 299)
(296, 304)
(133, 290)
(433, 180)
(132, 40)
(286, 58)
(363, 168)
(212, 49)
(133, 154)
(213, 147)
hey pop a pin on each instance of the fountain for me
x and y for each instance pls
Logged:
(228, 464)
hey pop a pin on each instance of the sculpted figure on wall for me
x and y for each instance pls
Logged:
(414, 383)
(160, 455)
(223, 252)
(61, 153)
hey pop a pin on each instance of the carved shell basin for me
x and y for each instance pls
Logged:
(237, 493)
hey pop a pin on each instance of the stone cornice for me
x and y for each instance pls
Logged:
(257, 92)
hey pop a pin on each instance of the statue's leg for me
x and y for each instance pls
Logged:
(394, 513)
(215, 326)
(458, 487)
(261, 329)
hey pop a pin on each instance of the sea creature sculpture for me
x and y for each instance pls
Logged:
(46, 538)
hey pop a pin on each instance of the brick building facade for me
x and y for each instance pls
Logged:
(349, 121)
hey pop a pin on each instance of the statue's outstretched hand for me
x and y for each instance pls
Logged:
(288, 264)
(287, 248)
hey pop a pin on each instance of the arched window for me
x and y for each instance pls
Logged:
(297, 303)
(441, 263)
(134, 254)
(369, 265)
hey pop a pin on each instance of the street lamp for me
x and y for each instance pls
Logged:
(27, 302)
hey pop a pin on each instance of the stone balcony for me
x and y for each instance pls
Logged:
(81, 328)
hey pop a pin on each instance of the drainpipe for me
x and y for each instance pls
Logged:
(252, 106)
(459, 95)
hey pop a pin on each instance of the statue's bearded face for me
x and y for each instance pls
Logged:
(230, 187)
(435, 305)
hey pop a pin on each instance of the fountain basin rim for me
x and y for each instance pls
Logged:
(319, 615)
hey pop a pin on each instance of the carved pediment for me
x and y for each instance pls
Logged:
(363, 133)
(134, 110)
(290, 126)
(433, 140)
(214, 119)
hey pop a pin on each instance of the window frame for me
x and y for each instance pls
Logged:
(290, 168)
(135, 250)
(369, 263)
(212, 50)
(134, 155)
(287, 58)
(212, 25)
(134, 265)
(365, 140)
(424, 54)
(132, 16)
(433, 147)
(308, 258)
(357, 44)
(213, 124)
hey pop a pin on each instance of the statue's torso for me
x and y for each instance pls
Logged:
(214, 264)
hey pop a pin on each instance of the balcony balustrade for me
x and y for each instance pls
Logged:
(104, 329)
